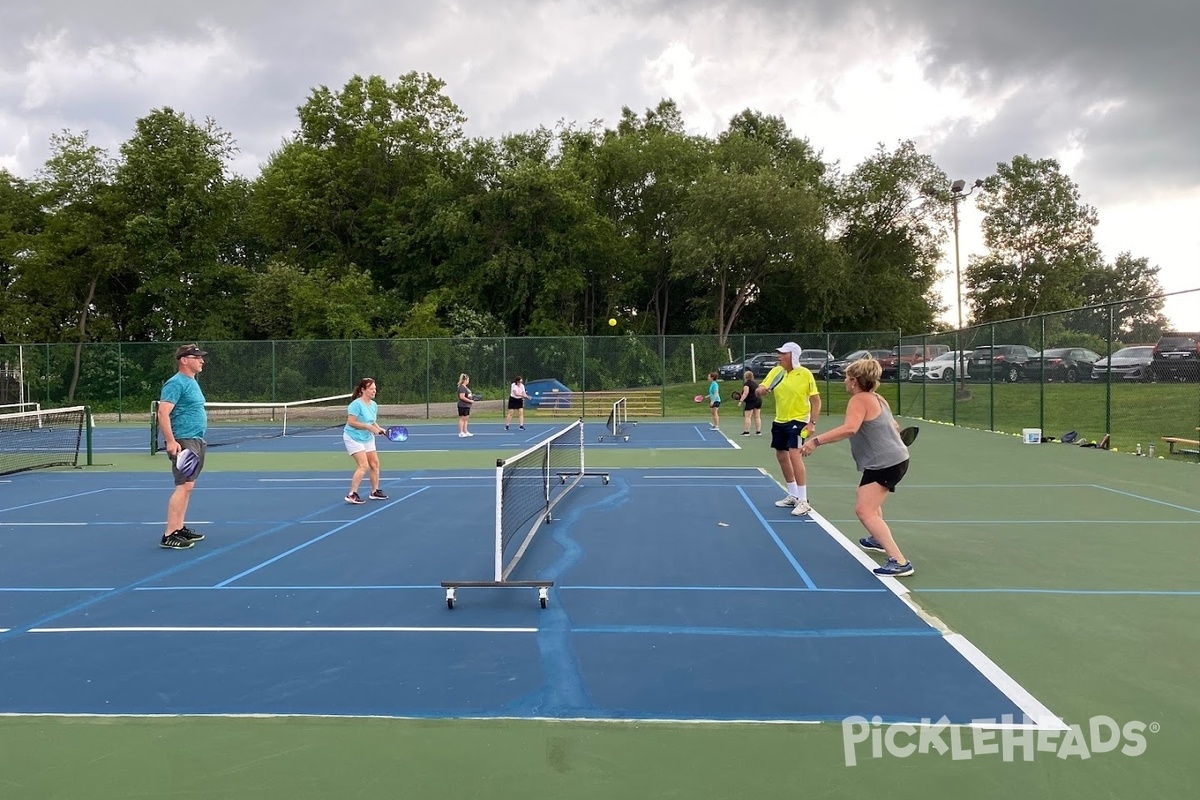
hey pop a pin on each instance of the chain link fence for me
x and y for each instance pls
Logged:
(1050, 372)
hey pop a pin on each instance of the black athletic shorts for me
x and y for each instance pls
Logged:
(516, 402)
(887, 477)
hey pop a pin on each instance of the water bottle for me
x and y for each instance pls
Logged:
(1138, 451)
(1150, 450)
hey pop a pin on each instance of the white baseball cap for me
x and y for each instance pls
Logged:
(791, 348)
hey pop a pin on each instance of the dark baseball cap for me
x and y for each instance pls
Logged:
(189, 350)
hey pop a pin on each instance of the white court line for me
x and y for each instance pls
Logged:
(1034, 709)
(283, 629)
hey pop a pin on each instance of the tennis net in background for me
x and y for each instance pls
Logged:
(229, 423)
(618, 419)
(41, 439)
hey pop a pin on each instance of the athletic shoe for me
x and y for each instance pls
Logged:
(463, 435)
(801, 508)
(355, 499)
(713, 428)
(895, 569)
(377, 495)
(522, 427)
(758, 433)
(787, 502)
(871, 543)
(505, 427)
(469, 433)
(745, 433)
(189, 534)
(174, 541)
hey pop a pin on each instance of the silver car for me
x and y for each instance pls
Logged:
(1127, 364)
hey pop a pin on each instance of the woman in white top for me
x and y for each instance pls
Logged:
(516, 401)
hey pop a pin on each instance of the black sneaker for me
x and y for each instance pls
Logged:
(190, 535)
(355, 499)
(377, 495)
(174, 541)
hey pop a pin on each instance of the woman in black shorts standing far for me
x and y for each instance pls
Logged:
(751, 406)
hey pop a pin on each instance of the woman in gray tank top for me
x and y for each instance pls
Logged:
(878, 453)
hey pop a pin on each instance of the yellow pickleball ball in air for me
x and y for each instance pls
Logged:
(612, 322)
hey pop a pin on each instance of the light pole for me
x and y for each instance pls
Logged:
(957, 195)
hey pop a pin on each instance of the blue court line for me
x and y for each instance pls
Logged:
(326, 535)
(771, 633)
(56, 589)
(1147, 499)
(53, 500)
(40, 622)
(1143, 592)
(778, 542)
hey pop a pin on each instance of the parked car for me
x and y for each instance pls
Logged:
(1127, 364)
(942, 368)
(836, 369)
(814, 360)
(759, 363)
(1177, 357)
(1067, 364)
(1002, 362)
(899, 361)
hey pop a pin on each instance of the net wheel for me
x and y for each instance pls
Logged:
(599, 438)
(542, 602)
(606, 480)
(627, 438)
(543, 595)
(450, 599)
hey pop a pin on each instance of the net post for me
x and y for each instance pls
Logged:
(498, 566)
(87, 424)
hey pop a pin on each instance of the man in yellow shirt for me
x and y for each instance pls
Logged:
(797, 406)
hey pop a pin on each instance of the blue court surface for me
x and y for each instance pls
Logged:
(442, 437)
(679, 595)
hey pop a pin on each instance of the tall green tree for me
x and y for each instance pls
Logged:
(174, 191)
(361, 183)
(21, 218)
(642, 172)
(1128, 278)
(1040, 240)
(891, 214)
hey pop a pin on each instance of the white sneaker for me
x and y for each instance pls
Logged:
(787, 502)
(463, 435)
(801, 508)
(713, 428)
(470, 434)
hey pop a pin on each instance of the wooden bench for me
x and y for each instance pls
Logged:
(1174, 440)
(641, 403)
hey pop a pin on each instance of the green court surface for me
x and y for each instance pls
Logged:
(1073, 569)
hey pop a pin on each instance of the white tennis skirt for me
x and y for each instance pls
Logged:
(354, 446)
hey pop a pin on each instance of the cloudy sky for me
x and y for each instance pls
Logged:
(1107, 87)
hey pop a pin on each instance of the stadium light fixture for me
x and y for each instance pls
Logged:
(957, 195)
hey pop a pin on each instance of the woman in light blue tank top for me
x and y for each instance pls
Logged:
(878, 453)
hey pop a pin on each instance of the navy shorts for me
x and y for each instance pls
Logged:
(787, 435)
(715, 404)
(464, 411)
(887, 477)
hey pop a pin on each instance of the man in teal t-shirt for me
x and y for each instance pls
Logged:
(184, 423)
